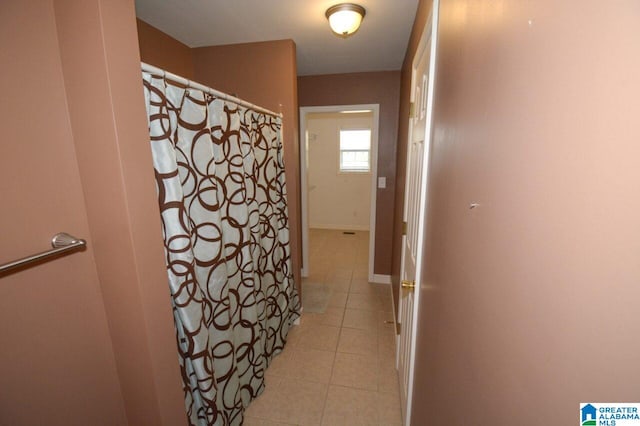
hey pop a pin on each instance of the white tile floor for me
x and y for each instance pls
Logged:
(338, 367)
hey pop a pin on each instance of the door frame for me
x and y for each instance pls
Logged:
(304, 195)
(429, 35)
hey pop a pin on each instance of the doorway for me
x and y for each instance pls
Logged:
(306, 114)
(415, 206)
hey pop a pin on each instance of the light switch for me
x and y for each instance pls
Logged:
(382, 182)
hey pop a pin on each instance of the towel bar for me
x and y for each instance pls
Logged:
(61, 243)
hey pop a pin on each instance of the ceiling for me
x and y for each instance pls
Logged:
(379, 44)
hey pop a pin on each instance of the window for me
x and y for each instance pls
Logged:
(355, 147)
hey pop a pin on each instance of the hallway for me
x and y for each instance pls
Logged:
(338, 367)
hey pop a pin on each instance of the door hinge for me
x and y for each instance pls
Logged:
(408, 284)
(412, 110)
(404, 228)
(396, 326)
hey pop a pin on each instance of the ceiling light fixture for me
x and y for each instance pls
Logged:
(345, 18)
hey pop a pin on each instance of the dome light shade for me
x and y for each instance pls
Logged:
(345, 18)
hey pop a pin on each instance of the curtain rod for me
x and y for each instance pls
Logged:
(192, 84)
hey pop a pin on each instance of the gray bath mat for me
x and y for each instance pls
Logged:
(315, 297)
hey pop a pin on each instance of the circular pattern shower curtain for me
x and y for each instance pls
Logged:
(221, 190)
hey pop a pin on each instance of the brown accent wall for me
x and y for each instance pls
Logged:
(163, 51)
(264, 74)
(381, 88)
(56, 361)
(100, 57)
(529, 302)
(90, 336)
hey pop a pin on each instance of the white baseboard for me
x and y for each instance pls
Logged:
(339, 227)
(380, 279)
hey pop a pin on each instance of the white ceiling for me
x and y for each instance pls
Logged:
(379, 44)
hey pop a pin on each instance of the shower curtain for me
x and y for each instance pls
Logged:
(221, 190)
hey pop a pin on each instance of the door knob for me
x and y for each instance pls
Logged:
(409, 285)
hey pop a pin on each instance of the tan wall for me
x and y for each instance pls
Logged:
(89, 337)
(164, 51)
(100, 56)
(367, 88)
(263, 74)
(529, 303)
(56, 361)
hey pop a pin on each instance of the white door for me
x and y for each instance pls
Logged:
(414, 208)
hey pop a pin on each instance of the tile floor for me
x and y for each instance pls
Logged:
(338, 367)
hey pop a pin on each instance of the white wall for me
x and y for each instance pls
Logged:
(336, 200)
